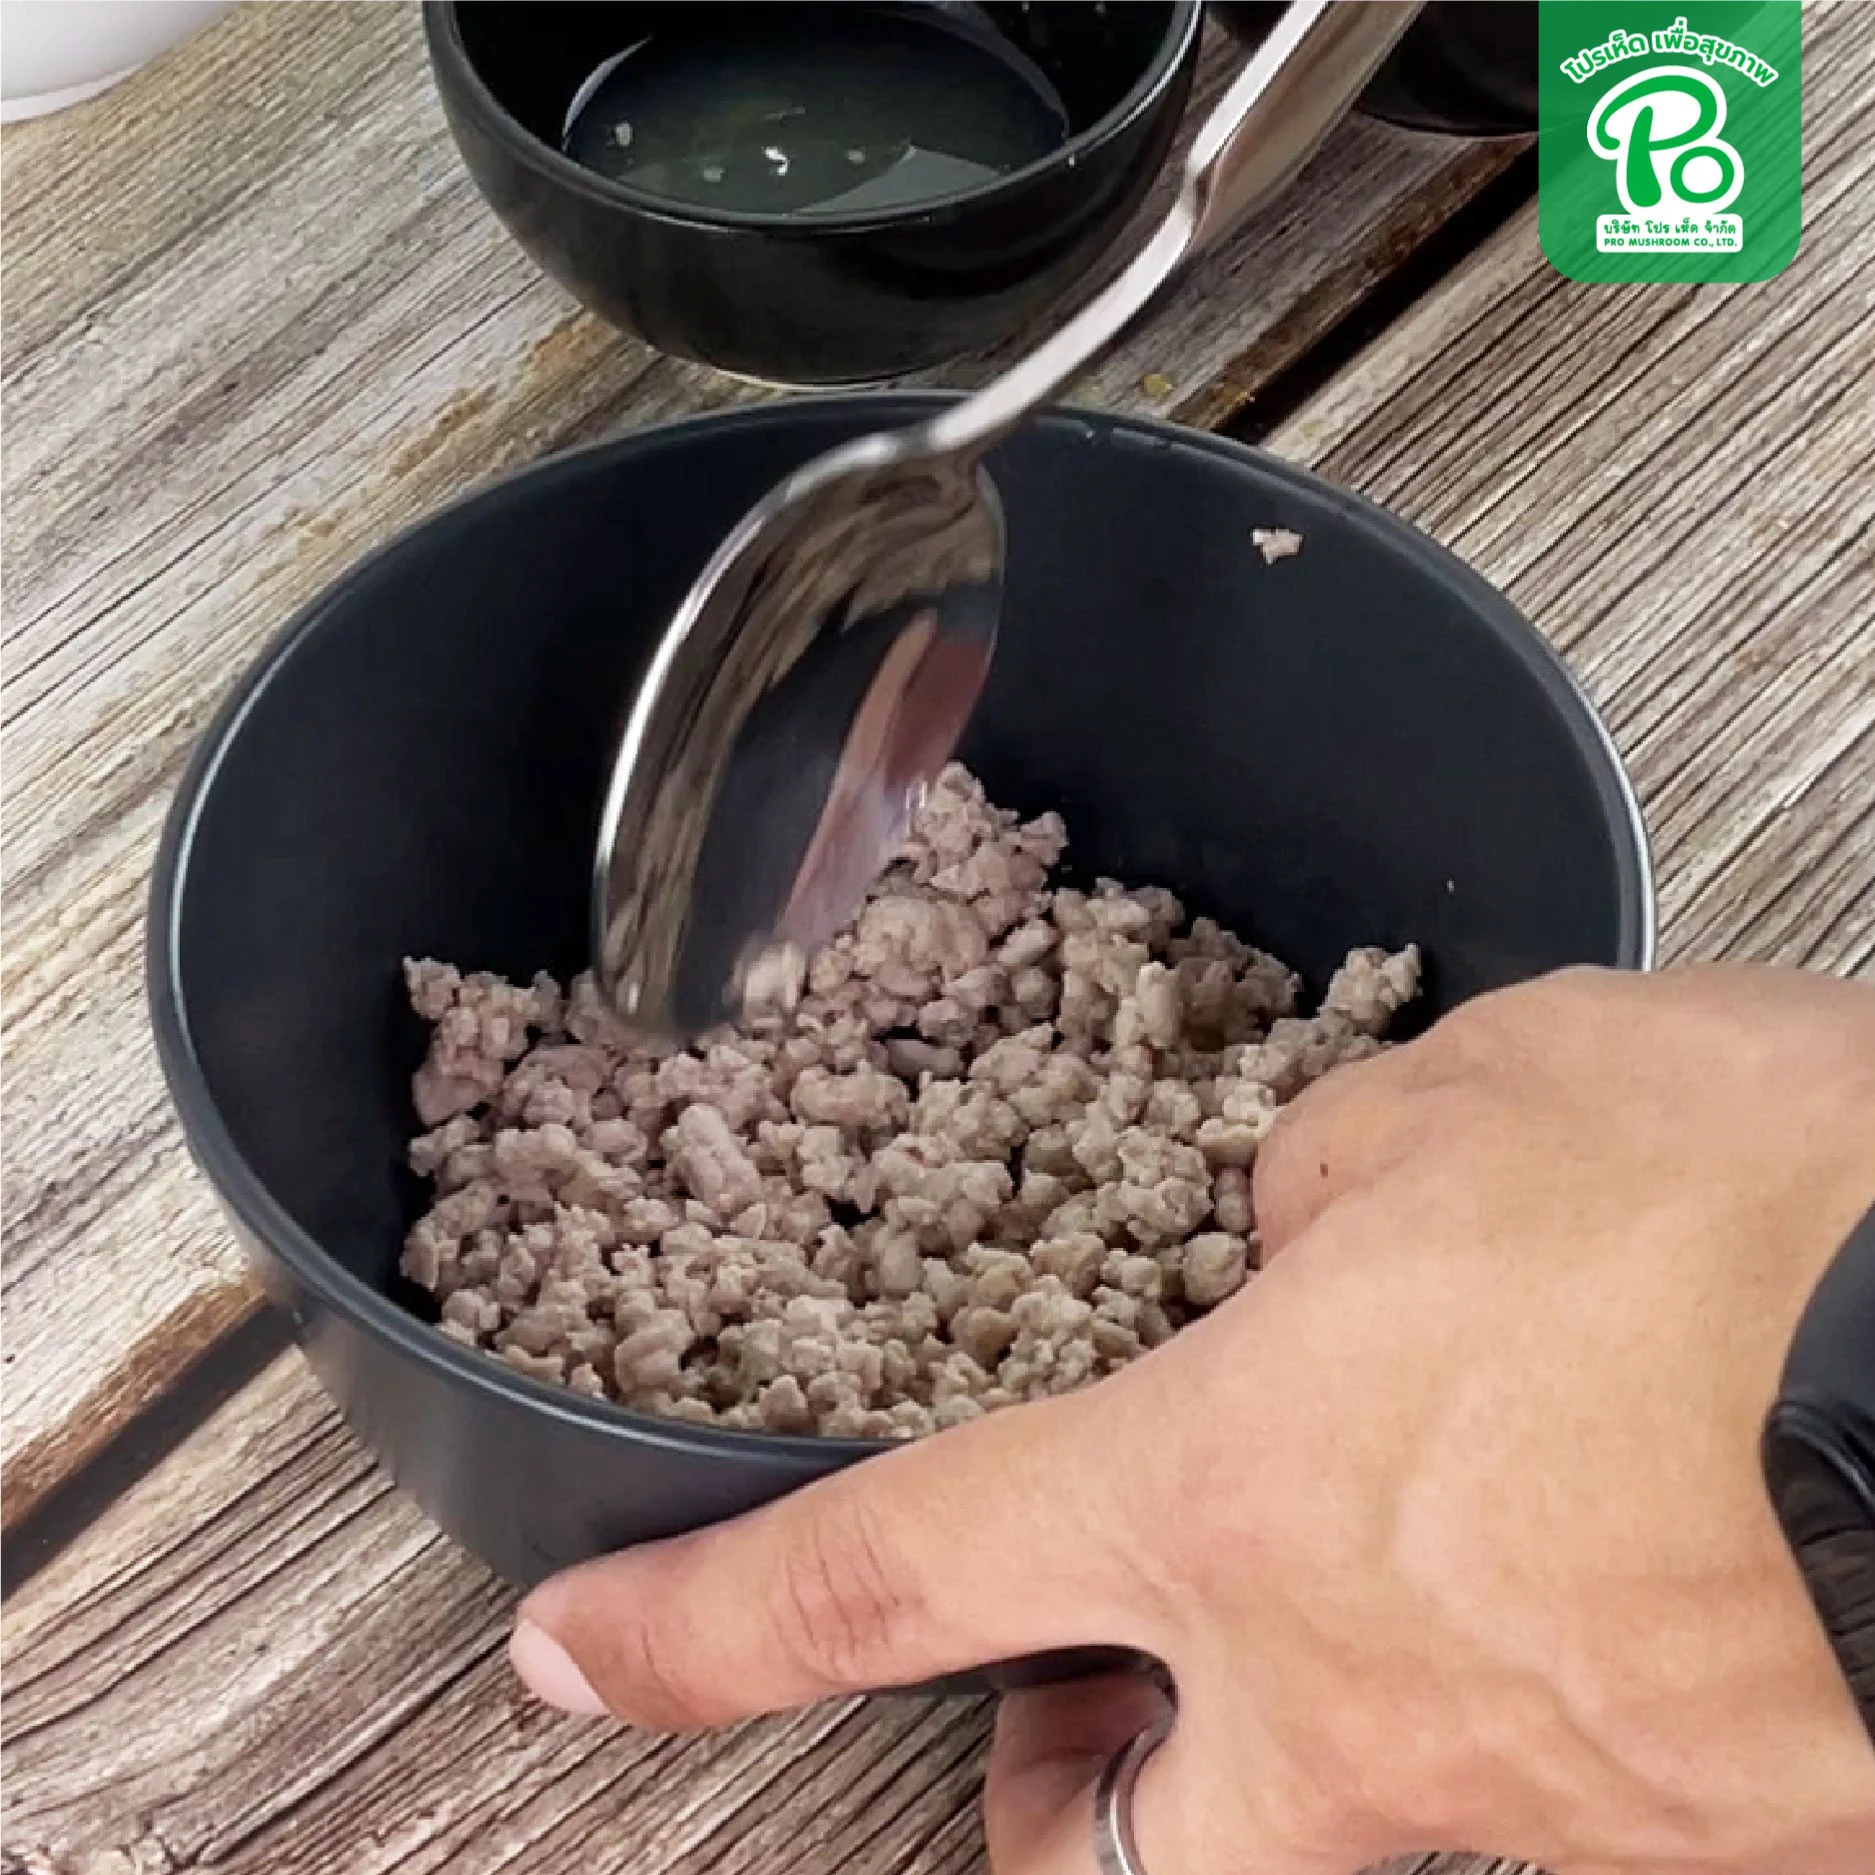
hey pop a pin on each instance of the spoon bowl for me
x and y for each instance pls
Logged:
(814, 680)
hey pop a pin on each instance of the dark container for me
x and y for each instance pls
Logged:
(1362, 743)
(1466, 68)
(827, 301)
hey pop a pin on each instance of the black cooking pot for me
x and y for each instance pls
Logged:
(1363, 743)
(1464, 67)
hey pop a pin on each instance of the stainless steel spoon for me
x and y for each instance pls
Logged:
(823, 667)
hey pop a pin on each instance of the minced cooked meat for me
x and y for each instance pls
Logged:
(999, 1147)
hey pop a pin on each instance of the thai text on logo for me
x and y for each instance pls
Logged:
(1677, 39)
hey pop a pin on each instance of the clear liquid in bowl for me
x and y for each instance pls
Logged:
(846, 110)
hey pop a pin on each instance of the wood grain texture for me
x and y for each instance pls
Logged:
(1678, 484)
(262, 1660)
(255, 320)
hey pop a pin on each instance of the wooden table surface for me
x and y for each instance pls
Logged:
(254, 320)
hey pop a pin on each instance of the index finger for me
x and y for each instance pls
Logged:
(994, 1540)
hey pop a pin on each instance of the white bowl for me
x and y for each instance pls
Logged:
(55, 53)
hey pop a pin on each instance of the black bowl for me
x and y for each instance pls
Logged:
(826, 301)
(1364, 743)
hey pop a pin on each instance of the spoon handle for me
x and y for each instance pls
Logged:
(1296, 87)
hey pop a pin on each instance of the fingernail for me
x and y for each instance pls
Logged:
(546, 1669)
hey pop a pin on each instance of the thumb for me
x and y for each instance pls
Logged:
(1015, 1534)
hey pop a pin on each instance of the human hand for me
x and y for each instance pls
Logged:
(1449, 1527)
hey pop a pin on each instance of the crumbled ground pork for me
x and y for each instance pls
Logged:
(999, 1147)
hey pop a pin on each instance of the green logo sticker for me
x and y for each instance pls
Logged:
(1670, 142)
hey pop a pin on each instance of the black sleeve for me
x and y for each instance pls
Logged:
(1819, 1458)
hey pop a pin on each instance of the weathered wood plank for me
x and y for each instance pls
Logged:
(1679, 485)
(255, 320)
(261, 1660)
(206, 1681)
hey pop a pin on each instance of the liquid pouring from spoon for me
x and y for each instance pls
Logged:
(824, 665)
